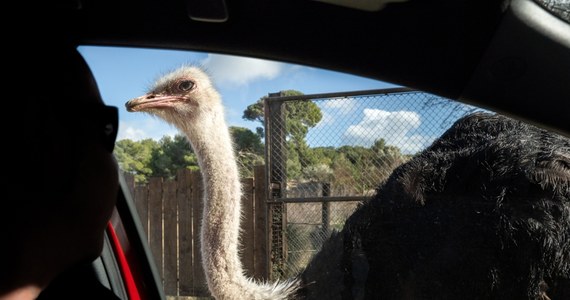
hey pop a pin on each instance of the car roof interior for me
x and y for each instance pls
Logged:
(512, 57)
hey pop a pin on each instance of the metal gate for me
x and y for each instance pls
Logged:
(326, 153)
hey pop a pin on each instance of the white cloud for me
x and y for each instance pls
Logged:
(343, 105)
(240, 70)
(393, 127)
(131, 133)
(412, 144)
(332, 108)
(326, 119)
(144, 128)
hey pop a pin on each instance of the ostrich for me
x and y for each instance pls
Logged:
(187, 99)
(484, 212)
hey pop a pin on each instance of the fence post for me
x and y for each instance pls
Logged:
(200, 285)
(170, 238)
(155, 221)
(247, 226)
(326, 209)
(130, 180)
(141, 201)
(276, 155)
(185, 263)
(260, 253)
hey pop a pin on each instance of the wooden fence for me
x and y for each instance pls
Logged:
(171, 212)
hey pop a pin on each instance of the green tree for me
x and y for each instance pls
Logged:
(164, 158)
(363, 168)
(135, 157)
(323, 155)
(299, 117)
(386, 158)
(343, 180)
(171, 155)
(249, 149)
(381, 149)
(293, 165)
(246, 140)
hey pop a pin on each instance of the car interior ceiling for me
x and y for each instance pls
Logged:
(497, 55)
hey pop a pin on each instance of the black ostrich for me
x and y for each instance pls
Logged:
(482, 213)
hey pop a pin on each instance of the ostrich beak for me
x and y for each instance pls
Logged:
(151, 100)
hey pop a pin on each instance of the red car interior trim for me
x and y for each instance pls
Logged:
(126, 273)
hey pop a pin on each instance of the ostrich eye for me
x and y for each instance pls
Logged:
(185, 85)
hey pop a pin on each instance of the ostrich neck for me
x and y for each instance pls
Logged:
(222, 208)
(210, 139)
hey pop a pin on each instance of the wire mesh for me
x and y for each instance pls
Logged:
(306, 232)
(340, 146)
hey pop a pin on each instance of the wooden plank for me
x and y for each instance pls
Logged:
(200, 285)
(130, 181)
(170, 238)
(141, 202)
(185, 263)
(155, 221)
(260, 252)
(247, 227)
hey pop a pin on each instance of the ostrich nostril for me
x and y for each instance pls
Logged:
(152, 96)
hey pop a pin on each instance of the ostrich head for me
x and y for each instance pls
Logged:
(183, 96)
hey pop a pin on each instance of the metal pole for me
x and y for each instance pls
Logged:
(326, 209)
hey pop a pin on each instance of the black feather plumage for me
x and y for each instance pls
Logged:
(483, 213)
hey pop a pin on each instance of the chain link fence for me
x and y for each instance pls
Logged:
(328, 152)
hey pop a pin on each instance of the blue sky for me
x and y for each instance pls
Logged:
(125, 73)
